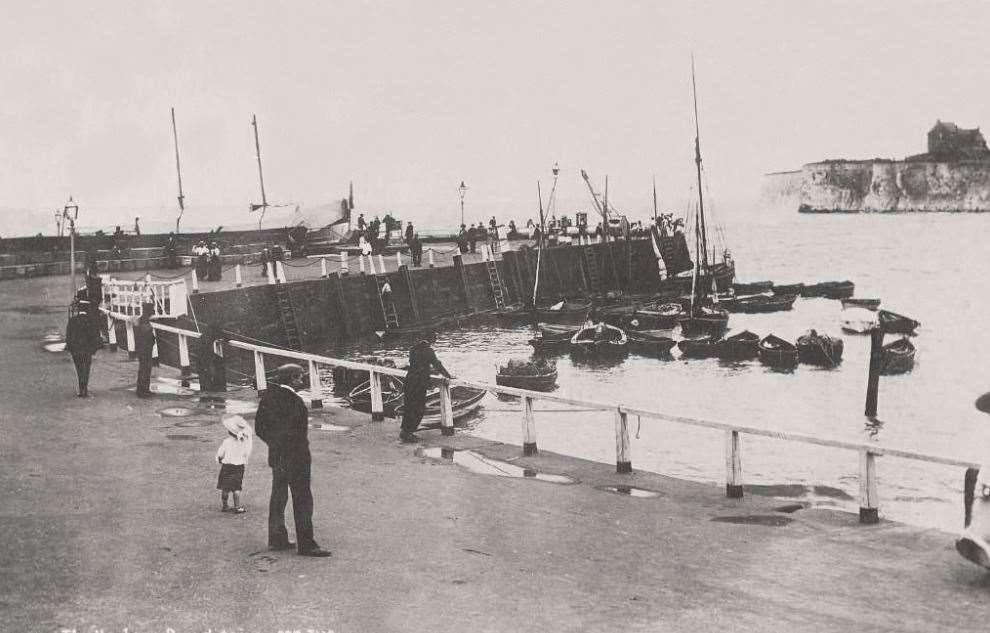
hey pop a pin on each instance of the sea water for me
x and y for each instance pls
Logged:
(934, 268)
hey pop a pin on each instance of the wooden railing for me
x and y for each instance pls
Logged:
(868, 452)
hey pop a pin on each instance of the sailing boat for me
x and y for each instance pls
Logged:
(703, 317)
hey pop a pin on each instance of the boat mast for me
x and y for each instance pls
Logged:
(654, 199)
(178, 171)
(539, 251)
(697, 162)
(261, 178)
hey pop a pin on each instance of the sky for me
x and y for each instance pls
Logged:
(407, 99)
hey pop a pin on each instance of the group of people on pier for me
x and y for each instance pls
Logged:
(208, 262)
(468, 237)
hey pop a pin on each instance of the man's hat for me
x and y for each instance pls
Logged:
(287, 372)
(983, 402)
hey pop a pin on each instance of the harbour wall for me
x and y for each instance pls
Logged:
(845, 186)
(344, 308)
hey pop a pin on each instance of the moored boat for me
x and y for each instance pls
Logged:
(897, 357)
(702, 347)
(761, 303)
(650, 342)
(787, 289)
(599, 338)
(869, 304)
(858, 320)
(819, 349)
(540, 375)
(893, 323)
(360, 396)
(752, 288)
(776, 352)
(744, 345)
(829, 290)
(704, 320)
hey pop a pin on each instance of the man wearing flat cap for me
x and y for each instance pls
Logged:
(282, 422)
(975, 542)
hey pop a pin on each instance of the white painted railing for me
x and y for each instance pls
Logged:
(868, 452)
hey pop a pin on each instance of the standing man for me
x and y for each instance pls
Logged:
(144, 343)
(409, 233)
(282, 422)
(416, 250)
(472, 236)
(171, 251)
(422, 361)
(82, 340)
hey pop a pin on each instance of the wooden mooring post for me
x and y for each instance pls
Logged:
(261, 383)
(623, 462)
(873, 381)
(446, 409)
(733, 466)
(869, 501)
(529, 428)
(111, 333)
(315, 387)
(184, 369)
(377, 406)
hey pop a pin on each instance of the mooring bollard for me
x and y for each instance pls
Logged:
(873, 380)
(529, 428)
(623, 464)
(261, 383)
(237, 275)
(315, 387)
(323, 267)
(131, 350)
(381, 262)
(184, 368)
(869, 501)
(195, 281)
(371, 265)
(343, 264)
(430, 255)
(111, 333)
(377, 407)
(446, 409)
(733, 466)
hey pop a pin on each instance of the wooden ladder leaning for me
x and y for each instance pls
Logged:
(287, 314)
(591, 268)
(388, 306)
(496, 283)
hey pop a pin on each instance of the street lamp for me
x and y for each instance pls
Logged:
(462, 190)
(71, 219)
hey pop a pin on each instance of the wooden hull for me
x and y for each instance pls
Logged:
(697, 326)
(543, 382)
(707, 347)
(829, 290)
(761, 304)
(776, 352)
(823, 351)
(649, 343)
(742, 346)
(752, 288)
(869, 304)
(897, 357)
(893, 323)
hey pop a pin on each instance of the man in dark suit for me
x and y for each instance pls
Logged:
(282, 422)
(144, 344)
(82, 339)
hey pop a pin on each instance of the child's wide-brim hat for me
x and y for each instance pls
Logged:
(236, 425)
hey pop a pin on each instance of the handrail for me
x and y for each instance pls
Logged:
(867, 451)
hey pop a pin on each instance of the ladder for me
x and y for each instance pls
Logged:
(496, 283)
(591, 265)
(388, 307)
(288, 316)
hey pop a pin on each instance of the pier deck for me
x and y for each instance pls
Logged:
(110, 519)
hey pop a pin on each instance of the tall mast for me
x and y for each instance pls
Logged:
(178, 171)
(261, 178)
(654, 199)
(539, 252)
(697, 162)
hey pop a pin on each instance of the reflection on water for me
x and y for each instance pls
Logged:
(928, 266)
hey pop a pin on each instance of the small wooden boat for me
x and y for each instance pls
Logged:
(857, 320)
(536, 376)
(463, 402)
(553, 338)
(567, 312)
(787, 289)
(829, 290)
(752, 288)
(744, 345)
(360, 396)
(897, 357)
(703, 347)
(893, 323)
(650, 342)
(761, 303)
(819, 349)
(599, 338)
(709, 320)
(776, 352)
(869, 304)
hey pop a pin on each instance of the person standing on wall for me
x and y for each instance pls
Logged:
(472, 236)
(422, 362)
(171, 251)
(82, 340)
(416, 249)
(144, 344)
(410, 231)
(282, 422)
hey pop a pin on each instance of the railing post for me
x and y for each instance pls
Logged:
(195, 281)
(343, 264)
(381, 262)
(873, 378)
(270, 270)
(281, 272)
(111, 333)
(529, 428)
(733, 466)
(868, 497)
(154, 353)
(361, 263)
(184, 359)
(237, 275)
(131, 350)
(315, 387)
(261, 383)
(623, 463)
(446, 409)
(323, 267)
(377, 406)
(398, 260)
(429, 254)
(371, 265)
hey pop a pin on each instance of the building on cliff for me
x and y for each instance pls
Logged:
(953, 175)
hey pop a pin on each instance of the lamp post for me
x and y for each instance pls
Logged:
(71, 219)
(462, 190)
